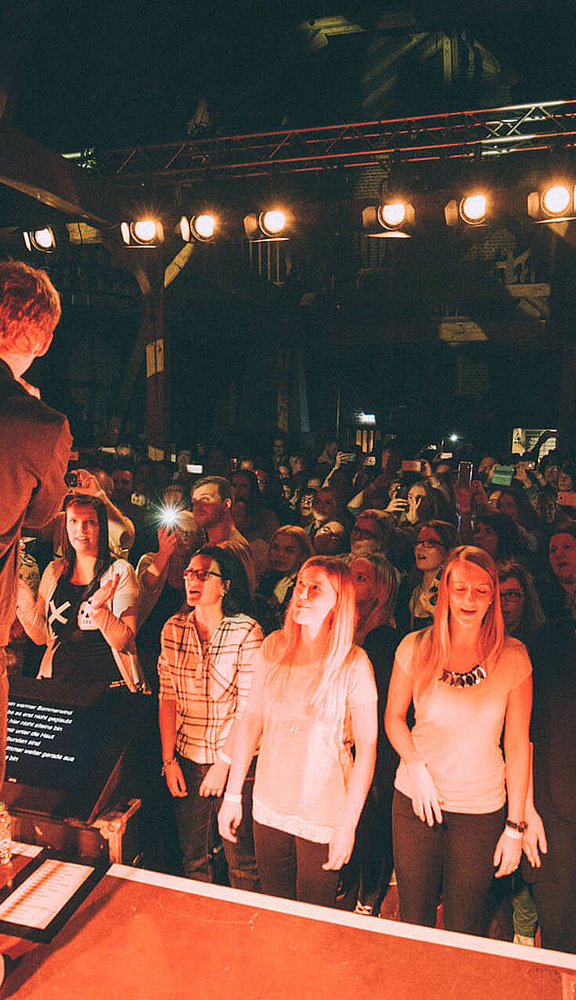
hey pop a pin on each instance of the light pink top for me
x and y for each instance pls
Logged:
(457, 731)
(304, 762)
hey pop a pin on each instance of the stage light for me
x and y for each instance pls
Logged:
(271, 224)
(146, 232)
(393, 215)
(203, 226)
(392, 219)
(40, 239)
(199, 228)
(555, 203)
(473, 210)
(556, 200)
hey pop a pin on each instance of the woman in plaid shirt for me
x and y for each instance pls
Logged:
(205, 670)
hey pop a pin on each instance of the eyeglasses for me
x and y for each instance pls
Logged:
(430, 543)
(511, 595)
(200, 574)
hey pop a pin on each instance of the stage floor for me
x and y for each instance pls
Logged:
(145, 936)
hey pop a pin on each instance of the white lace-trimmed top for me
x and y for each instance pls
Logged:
(304, 763)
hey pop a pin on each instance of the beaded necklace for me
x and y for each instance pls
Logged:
(466, 679)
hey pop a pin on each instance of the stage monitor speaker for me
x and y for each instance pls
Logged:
(68, 750)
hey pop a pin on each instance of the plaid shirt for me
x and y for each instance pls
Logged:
(210, 689)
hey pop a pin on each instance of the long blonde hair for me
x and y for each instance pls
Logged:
(327, 697)
(434, 644)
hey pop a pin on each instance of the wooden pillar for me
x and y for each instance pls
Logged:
(153, 333)
(567, 402)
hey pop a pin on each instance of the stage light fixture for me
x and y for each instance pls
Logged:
(271, 224)
(40, 239)
(472, 209)
(199, 228)
(146, 232)
(554, 203)
(392, 219)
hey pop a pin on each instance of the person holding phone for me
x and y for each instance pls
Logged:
(418, 503)
(458, 814)
(87, 606)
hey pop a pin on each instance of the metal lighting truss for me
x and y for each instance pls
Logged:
(548, 125)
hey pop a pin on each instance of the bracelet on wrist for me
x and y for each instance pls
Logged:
(235, 799)
(519, 827)
(166, 764)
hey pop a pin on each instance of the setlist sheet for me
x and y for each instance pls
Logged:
(40, 898)
(45, 893)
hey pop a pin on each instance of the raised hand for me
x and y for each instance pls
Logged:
(105, 592)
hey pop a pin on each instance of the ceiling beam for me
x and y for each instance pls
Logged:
(33, 169)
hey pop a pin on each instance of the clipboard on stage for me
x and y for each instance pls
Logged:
(44, 894)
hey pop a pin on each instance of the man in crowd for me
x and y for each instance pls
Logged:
(35, 439)
(142, 519)
(212, 509)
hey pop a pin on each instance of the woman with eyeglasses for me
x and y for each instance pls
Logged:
(459, 802)
(313, 711)
(521, 608)
(205, 670)
(416, 604)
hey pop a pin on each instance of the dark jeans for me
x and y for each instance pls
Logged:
(554, 885)
(197, 818)
(453, 858)
(291, 867)
(374, 847)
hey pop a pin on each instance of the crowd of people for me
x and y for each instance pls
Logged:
(342, 649)
(360, 666)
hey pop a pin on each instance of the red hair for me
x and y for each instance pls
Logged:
(29, 307)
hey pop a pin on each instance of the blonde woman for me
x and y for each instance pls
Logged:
(313, 700)
(376, 584)
(458, 815)
(289, 547)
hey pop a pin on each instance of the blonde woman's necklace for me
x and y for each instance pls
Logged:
(466, 679)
